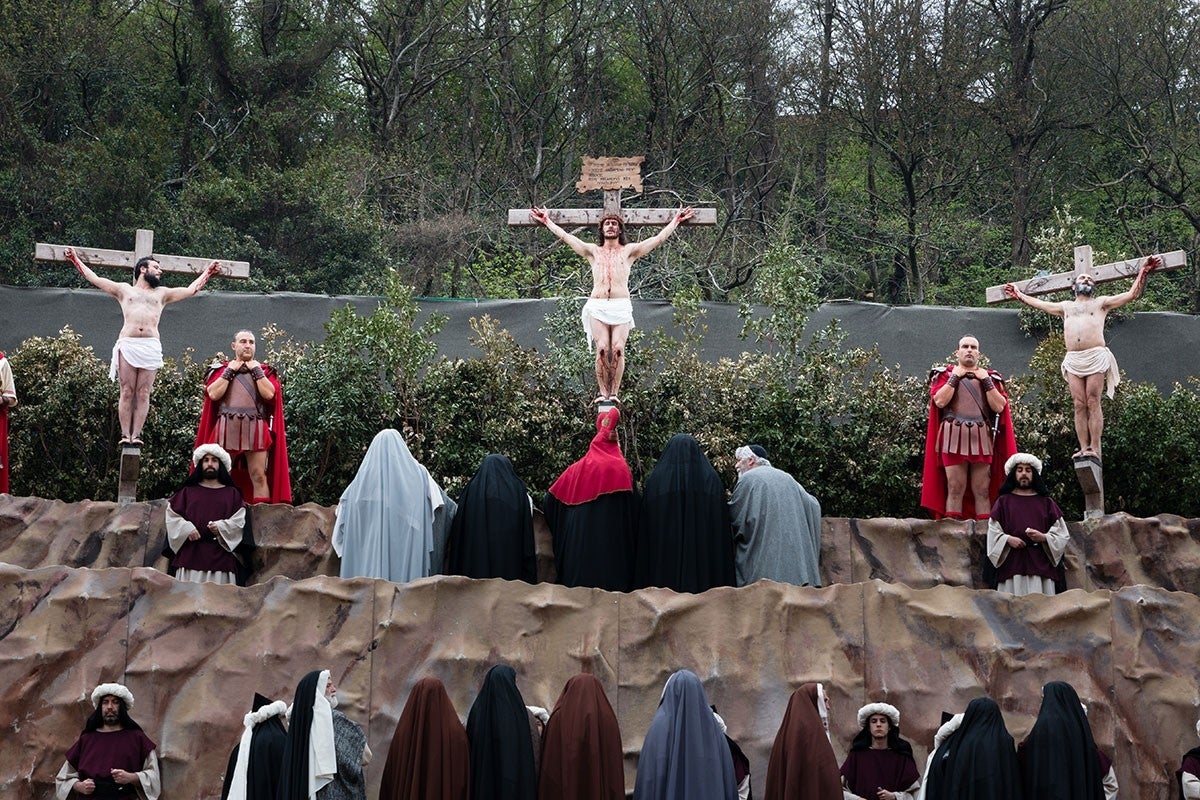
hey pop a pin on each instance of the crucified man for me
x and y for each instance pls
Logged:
(137, 355)
(1088, 361)
(608, 313)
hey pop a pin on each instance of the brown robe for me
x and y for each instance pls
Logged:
(582, 757)
(429, 757)
(802, 765)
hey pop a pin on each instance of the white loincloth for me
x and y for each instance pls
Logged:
(618, 311)
(1082, 363)
(142, 352)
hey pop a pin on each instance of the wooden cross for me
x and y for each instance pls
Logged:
(143, 246)
(1045, 284)
(611, 174)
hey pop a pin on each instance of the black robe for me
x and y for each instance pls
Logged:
(498, 730)
(1059, 758)
(978, 761)
(293, 777)
(492, 532)
(685, 537)
(266, 759)
(594, 541)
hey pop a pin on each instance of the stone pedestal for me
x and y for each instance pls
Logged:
(1091, 479)
(131, 463)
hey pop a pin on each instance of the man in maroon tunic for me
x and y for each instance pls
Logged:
(880, 765)
(243, 413)
(112, 757)
(208, 530)
(1026, 535)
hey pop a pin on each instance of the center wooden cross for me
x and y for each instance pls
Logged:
(1045, 284)
(611, 174)
(143, 246)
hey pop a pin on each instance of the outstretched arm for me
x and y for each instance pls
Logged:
(195, 286)
(1034, 302)
(103, 284)
(574, 242)
(1139, 285)
(639, 249)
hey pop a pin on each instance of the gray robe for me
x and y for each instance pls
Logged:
(777, 528)
(393, 518)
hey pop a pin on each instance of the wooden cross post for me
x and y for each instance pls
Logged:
(1088, 470)
(143, 245)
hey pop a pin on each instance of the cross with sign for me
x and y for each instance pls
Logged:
(611, 174)
(1045, 284)
(143, 246)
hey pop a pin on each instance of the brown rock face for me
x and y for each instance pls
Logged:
(886, 629)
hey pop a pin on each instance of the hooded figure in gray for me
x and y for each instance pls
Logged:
(393, 517)
(776, 524)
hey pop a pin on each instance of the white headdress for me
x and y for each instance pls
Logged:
(212, 450)
(116, 690)
(1022, 458)
(889, 711)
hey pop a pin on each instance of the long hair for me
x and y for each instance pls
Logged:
(97, 718)
(197, 475)
(863, 740)
(1039, 483)
(600, 230)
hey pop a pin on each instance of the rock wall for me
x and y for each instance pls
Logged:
(885, 629)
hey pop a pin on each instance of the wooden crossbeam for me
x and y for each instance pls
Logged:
(1046, 284)
(143, 246)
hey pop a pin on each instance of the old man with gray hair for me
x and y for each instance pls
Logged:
(776, 524)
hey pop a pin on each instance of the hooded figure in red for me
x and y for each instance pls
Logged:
(592, 512)
(968, 438)
(243, 413)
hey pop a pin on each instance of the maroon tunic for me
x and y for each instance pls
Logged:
(201, 505)
(95, 754)
(1014, 513)
(866, 771)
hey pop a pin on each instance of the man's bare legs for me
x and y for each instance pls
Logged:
(134, 402)
(256, 465)
(979, 476)
(1089, 415)
(620, 333)
(602, 339)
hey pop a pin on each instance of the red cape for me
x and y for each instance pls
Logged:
(279, 480)
(933, 477)
(603, 470)
(5, 468)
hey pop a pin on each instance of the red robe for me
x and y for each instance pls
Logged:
(5, 467)
(279, 480)
(933, 477)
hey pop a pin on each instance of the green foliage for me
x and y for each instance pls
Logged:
(338, 394)
(63, 435)
(849, 429)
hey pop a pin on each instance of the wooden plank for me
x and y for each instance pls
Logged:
(634, 217)
(610, 172)
(1107, 272)
(124, 259)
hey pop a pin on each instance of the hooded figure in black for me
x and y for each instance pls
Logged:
(310, 728)
(686, 539)
(978, 761)
(492, 532)
(502, 765)
(256, 777)
(1058, 759)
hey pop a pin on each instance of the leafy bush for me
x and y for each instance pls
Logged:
(849, 429)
